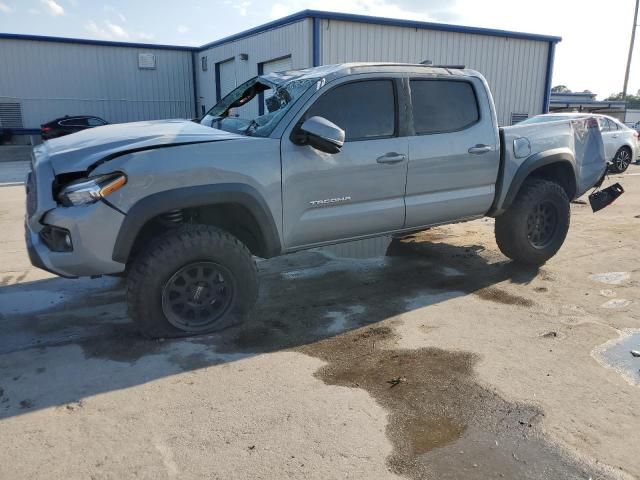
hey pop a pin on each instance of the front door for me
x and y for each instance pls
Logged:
(358, 191)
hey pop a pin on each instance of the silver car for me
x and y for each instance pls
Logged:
(620, 142)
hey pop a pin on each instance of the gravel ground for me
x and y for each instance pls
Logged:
(440, 360)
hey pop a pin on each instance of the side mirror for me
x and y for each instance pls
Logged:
(323, 135)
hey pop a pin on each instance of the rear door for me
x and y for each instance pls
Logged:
(609, 137)
(454, 151)
(358, 191)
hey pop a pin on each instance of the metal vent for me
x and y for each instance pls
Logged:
(518, 117)
(147, 61)
(10, 115)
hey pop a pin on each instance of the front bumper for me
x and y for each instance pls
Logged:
(93, 230)
(34, 256)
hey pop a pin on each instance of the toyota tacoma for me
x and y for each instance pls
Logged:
(290, 161)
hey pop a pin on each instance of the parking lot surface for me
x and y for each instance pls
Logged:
(440, 360)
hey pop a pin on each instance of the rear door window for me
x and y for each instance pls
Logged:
(605, 125)
(74, 122)
(441, 106)
(95, 122)
(365, 110)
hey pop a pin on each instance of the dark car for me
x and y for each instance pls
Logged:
(66, 125)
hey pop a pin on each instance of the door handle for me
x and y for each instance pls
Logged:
(479, 149)
(391, 158)
(614, 136)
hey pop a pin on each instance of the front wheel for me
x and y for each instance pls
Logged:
(533, 229)
(621, 161)
(196, 279)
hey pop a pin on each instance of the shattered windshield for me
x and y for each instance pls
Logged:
(255, 107)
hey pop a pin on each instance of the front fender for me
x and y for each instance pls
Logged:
(188, 197)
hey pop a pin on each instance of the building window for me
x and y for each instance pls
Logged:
(518, 117)
(203, 62)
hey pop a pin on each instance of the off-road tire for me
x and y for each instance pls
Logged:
(190, 244)
(512, 228)
(621, 161)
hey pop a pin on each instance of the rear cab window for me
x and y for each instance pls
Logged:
(364, 109)
(441, 106)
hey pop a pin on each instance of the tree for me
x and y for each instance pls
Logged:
(633, 101)
(561, 89)
(587, 91)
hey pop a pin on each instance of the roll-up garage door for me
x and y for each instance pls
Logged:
(279, 65)
(227, 76)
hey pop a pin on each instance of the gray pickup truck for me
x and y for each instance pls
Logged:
(290, 161)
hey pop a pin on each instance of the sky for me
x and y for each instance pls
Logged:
(592, 54)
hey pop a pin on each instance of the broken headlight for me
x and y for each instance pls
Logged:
(90, 190)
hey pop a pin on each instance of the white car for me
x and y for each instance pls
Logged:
(621, 143)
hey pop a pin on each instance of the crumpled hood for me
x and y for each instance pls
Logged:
(79, 151)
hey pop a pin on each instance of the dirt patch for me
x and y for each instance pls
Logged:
(500, 296)
(442, 423)
(121, 344)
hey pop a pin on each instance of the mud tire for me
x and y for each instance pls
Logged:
(535, 226)
(151, 272)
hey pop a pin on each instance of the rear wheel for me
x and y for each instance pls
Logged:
(196, 279)
(622, 160)
(533, 229)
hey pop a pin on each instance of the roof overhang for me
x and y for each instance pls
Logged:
(296, 17)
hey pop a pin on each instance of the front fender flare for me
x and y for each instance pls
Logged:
(188, 197)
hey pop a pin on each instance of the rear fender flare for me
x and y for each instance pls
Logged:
(533, 163)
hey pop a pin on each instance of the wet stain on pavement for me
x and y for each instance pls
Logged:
(617, 355)
(442, 423)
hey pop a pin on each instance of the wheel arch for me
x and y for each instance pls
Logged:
(238, 199)
(556, 166)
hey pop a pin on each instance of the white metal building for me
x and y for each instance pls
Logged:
(42, 78)
(45, 77)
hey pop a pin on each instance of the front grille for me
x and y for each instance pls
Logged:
(32, 198)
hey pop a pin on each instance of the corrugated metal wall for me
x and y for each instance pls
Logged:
(514, 68)
(53, 79)
(293, 39)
